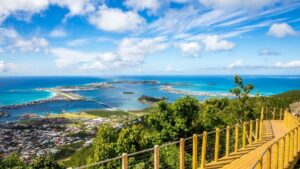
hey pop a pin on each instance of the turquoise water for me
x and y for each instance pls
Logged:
(16, 90)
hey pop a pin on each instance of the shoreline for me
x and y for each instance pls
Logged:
(170, 89)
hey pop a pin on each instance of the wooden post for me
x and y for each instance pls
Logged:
(217, 144)
(181, 153)
(260, 164)
(268, 158)
(286, 148)
(244, 135)
(275, 154)
(260, 130)
(250, 132)
(236, 145)
(291, 145)
(296, 142)
(124, 161)
(267, 113)
(256, 130)
(262, 113)
(280, 116)
(203, 153)
(227, 140)
(156, 157)
(281, 153)
(274, 113)
(298, 127)
(195, 151)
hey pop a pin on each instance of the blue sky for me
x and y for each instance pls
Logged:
(133, 37)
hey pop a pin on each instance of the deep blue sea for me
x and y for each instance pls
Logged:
(17, 90)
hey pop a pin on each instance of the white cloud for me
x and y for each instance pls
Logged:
(280, 30)
(29, 45)
(13, 41)
(116, 20)
(29, 7)
(67, 57)
(78, 42)
(152, 5)
(237, 4)
(189, 48)
(58, 33)
(130, 52)
(268, 52)
(7, 67)
(133, 50)
(171, 69)
(291, 64)
(214, 43)
(236, 64)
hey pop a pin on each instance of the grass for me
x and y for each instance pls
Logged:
(106, 113)
(73, 116)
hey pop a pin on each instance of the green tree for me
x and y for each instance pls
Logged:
(104, 144)
(45, 162)
(175, 120)
(242, 94)
(13, 161)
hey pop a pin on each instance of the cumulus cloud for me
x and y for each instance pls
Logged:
(116, 20)
(237, 4)
(280, 30)
(14, 42)
(189, 48)
(268, 52)
(29, 7)
(133, 50)
(137, 5)
(59, 32)
(78, 42)
(130, 52)
(291, 64)
(236, 64)
(7, 67)
(214, 43)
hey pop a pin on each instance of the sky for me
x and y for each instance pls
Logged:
(149, 37)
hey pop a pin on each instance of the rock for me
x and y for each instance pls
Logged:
(3, 114)
(128, 92)
(149, 99)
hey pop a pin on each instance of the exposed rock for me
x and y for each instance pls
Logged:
(128, 92)
(149, 99)
(295, 108)
(3, 114)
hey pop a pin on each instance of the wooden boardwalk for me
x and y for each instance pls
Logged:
(246, 158)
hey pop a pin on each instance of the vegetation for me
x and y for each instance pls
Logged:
(105, 113)
(14, 162)
(169, 122)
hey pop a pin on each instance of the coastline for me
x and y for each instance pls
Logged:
(170, 89)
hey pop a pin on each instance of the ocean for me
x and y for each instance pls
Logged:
(18, 90)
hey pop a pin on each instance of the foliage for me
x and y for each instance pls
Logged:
(242, 93)
(175, 120)
(46, 162)
(14, 162)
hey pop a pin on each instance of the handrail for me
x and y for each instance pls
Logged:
(290, 143)
(206, 146)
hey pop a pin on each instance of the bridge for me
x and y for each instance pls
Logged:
(273, 141)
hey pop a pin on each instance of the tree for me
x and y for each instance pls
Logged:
(104, 144)
(13, 161)
(175, 120)
(45, 162)
(242, 94)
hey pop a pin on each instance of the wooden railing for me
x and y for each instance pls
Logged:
(209, 146)
(284, 151)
